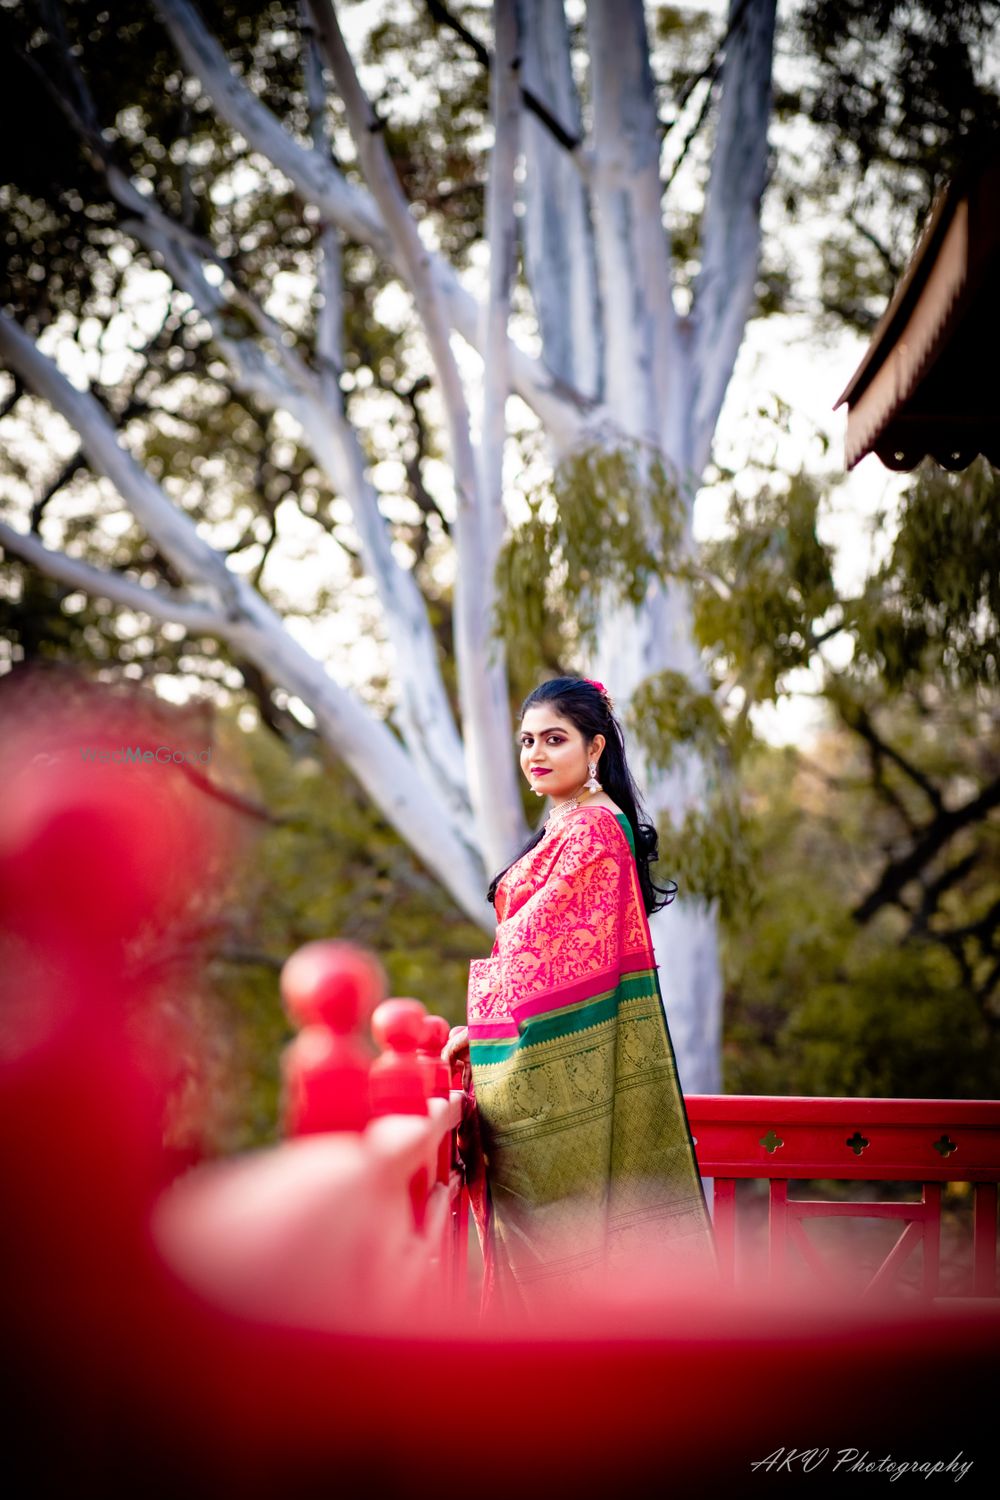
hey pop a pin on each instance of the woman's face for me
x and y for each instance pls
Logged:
(554, 753)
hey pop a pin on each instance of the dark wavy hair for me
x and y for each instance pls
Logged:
(579, 701)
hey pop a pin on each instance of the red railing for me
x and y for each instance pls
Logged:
(927, 1142)
(778, 1140)
(360, 1217)
(286, 1321)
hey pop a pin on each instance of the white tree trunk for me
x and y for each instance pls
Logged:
(559, 254)
(725, 289)
(652, 392)
(632, 245)
(481, 671)
(492, 769)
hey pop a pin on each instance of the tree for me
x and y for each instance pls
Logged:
(241, 157)
(864, 951)
(820, 1003)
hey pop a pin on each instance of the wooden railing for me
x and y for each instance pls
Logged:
(287, 1322)
(777, 1140)
(926, 1142)
(368, 1184)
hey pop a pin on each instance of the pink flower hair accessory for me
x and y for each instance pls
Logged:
(601, 689)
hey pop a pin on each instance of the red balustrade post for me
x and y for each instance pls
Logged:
(432, 1043)
(778, 1230)
(984, 1241)
(931, 1199)
(330, 989)
(724, 1225)
(398, 1083)
(438, 1081)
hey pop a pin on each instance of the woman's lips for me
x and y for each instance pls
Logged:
(539, 772)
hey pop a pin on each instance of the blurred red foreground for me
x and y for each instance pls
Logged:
(264, 1332)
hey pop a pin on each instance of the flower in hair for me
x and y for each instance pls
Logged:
(601, 689)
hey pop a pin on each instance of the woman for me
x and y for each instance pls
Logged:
(579, 1154)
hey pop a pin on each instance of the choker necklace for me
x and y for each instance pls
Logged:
(558, 813)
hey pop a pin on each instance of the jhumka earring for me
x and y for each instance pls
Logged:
(592, 784)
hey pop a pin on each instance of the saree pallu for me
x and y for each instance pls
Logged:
(584, 1167)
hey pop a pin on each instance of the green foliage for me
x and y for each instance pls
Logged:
(710, 854)
(605, 525)
(777, 586)
(902, 94)
(914, 696)
(666, 712)
(814, 1003)
(934, 605)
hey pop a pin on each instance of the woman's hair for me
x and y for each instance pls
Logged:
(585, 706)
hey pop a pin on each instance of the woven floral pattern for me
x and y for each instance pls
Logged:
(568, 911)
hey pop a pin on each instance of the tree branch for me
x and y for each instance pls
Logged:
(174, 533)
(643, 355)
(570, 140)
(317, 181)
(410, 252)
(860, 721)
(158, 603)
(245, 620)
(425, 717)
(931, 894)
(481, 656)
(895, 271)
(559, 253)
(725, 288)
(485, 716)
(898, 873)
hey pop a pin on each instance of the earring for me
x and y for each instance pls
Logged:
(592, 784)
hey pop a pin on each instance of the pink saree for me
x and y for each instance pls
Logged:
(584, 1166)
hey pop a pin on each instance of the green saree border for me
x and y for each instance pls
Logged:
(639, 985)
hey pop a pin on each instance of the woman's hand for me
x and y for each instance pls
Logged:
(456, 1053)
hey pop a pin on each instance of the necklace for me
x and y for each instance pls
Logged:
(558, 814)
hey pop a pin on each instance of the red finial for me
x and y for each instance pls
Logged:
(397, 1077)
(432, 1043)
(330, 988)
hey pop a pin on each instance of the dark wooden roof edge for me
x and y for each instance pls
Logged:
(904, 298)
(979, 183)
